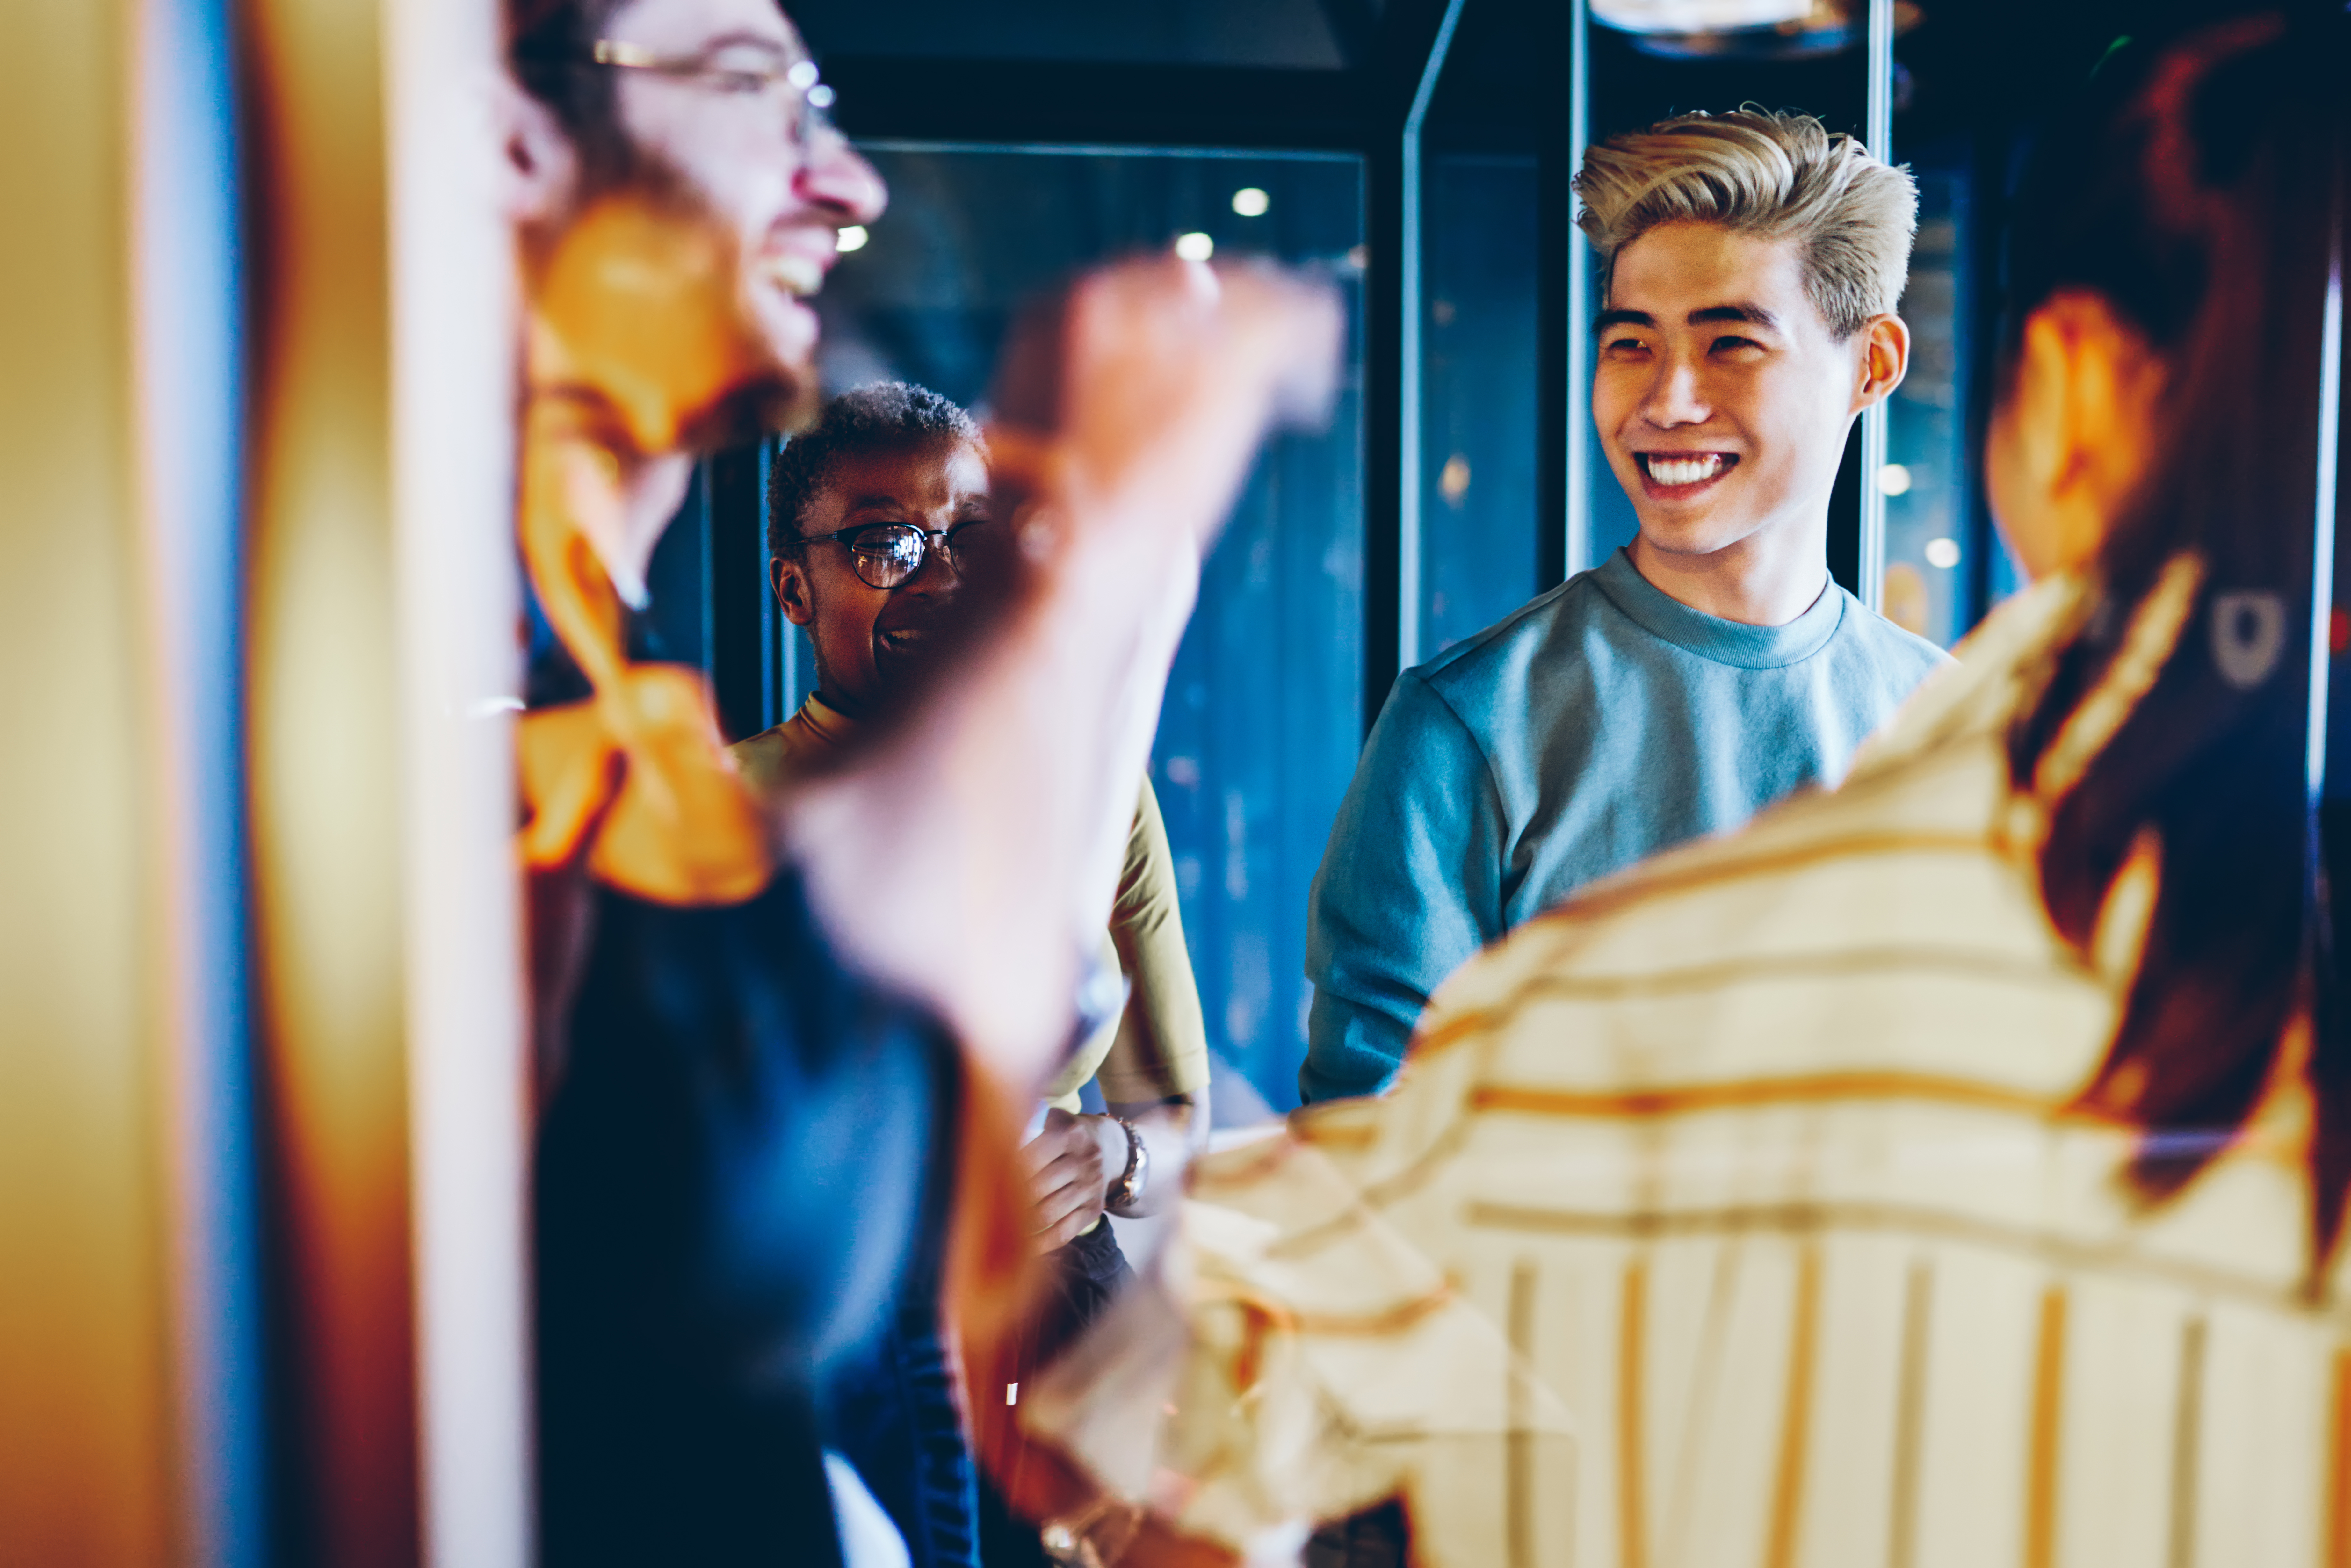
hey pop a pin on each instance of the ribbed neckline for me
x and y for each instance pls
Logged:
(1710, 637)
(822, 723)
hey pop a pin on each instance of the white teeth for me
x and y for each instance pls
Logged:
(1690, 470)
(796, 274)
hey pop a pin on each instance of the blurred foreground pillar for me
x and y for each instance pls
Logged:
(262, 1081)
(382, 672)
(88, 1473)
(325, 769)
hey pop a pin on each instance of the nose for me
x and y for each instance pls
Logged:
(1674, 397)
(836, 177)
(939, 576)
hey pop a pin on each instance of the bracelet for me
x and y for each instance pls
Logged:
(1127, 1191)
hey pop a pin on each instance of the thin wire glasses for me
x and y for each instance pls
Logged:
(888, 555)
(737, 71)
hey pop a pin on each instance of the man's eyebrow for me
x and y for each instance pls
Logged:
(863, 503)
(1753, 315)
(1608, 319)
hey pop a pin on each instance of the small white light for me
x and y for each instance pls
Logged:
(852, 237)
(1012, 1394)
(1893, 479)
(1250, 201)
(819, 96)
(1194, 246)
(802, 74)
(1453, 482)
(1944, 553)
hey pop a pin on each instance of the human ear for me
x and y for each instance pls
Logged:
(792, 584)
(1885, 360)
(2070, 441)
(538, 168)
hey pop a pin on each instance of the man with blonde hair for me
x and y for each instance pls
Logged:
(1751, 265)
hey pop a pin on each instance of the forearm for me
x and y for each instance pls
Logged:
(1351, 1049)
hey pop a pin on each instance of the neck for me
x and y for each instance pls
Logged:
(1767, 578)
(832, 698)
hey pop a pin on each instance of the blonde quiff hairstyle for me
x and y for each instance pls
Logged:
(1753, 172)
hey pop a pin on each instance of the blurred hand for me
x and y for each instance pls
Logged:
(1069, 1166)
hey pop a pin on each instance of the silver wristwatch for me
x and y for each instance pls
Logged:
(1127, 1190)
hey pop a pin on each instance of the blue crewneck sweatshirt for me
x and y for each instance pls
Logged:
(1600, 724)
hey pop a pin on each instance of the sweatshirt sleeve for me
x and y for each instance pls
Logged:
(1161, 1049)
(1410, 886)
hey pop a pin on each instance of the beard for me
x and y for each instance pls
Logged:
(776, 389)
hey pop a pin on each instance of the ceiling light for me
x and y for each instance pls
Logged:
(1944, 553)
(1893, 480)
(852, 237)
(1194, 246)
(1696, 16)
(1250, 201)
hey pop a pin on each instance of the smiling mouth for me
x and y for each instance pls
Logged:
(1685, 470)
(903, 641)
(798, 276)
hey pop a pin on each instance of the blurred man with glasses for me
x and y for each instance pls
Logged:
(776, 1032)
(1750, 267)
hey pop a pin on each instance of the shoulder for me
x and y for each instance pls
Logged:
(1489, 655)
(1889, 647)
(1980, 690)
(1490, 671)
(764, 759)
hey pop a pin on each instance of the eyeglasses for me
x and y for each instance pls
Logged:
(888, 555)
(736, 78)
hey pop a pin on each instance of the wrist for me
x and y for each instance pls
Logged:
(1132, 1172)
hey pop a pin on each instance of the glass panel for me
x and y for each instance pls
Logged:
(1261, 725)
(1478, 547)
(1928, 477)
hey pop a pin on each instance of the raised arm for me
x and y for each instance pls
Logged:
(971, 858)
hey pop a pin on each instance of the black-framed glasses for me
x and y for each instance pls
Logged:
(888, 555)
(737, 71)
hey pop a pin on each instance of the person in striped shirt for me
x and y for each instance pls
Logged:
(1945, 1170)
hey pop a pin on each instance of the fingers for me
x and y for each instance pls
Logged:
(1067, 1187)
(1077, 1169)
(1158, 377)
(1055, 1226)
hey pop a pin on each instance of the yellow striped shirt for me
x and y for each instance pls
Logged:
(1735, 1213)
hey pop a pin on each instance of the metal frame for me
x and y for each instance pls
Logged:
(1878, 132)
(1412, 308)
(1562, 317)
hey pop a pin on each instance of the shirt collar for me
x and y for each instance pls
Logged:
(1710, 637)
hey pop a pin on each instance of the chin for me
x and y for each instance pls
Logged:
(1693, 536)
(789, 333)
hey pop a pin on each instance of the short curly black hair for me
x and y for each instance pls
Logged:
(883, 416)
